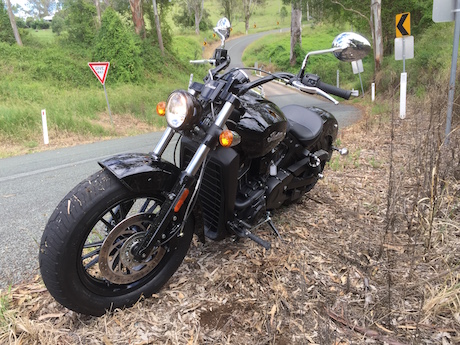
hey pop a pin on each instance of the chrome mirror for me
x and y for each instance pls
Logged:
(350, 46)
(223, 29)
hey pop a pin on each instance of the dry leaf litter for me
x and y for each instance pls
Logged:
(369, 256)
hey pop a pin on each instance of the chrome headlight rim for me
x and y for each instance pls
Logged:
(182, 110)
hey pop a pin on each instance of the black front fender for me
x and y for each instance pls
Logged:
(142, 172)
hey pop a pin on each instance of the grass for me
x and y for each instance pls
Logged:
(45, 36)
(4, 308)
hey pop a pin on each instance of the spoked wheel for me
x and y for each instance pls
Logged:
(86, 256)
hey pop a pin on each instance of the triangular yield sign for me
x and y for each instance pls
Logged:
(100, 70)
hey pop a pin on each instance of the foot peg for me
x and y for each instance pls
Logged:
(343, 151)
(241, 229)
(257, 239)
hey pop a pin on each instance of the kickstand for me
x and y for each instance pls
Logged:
(275, 230)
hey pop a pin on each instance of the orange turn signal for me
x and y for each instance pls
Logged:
(226, 138)
(161, 108)
(181, 200)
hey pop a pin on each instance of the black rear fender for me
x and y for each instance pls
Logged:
(142, 172)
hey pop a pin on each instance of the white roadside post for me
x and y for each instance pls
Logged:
(373, 92)
(45, 128)
(358, 68)
(100, 70)
(448, 11)
(404, 49)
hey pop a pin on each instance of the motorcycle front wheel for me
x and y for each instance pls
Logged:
(85, 257)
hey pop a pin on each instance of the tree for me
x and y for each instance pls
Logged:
(13, 23)
(115, 43)
(376, 29)
(374, 21)
(41, 8)
(81, 22)
(138, 17)
(158, 27)
(283, 13)
(296, 30)
(6, 31)
(197, 8)
(98, 11)
(248, 7)
(186, 18)
(58, 24)
(229, 7)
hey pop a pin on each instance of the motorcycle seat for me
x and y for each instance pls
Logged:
(304, 123)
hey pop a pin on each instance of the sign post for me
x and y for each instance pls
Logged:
(447, 11)
(100, 70)
(358, 68)
(404, 49)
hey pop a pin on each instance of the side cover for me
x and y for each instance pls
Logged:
(142, 172)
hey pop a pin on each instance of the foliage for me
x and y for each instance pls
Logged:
(6, 32)
(357, 13)
(186, 19)
(58, 25)
(283, 13)
(40, 24)
(81, 22)
(115, 43)
(20, 22)
(228, 8)
(164, 7)
(41, 8)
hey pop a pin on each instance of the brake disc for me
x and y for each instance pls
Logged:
(116, 261)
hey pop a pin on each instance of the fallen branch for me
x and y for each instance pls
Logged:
(364, 331)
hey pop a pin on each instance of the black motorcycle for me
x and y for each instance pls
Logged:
(124, 231)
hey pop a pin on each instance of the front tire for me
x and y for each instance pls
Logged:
(70, 249)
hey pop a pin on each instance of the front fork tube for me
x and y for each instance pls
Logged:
(170, 210)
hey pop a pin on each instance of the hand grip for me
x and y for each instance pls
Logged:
(333, 90)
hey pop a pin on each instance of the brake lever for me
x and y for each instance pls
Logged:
(314, 90)
(211, 61)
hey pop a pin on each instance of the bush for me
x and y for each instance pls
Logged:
(81, 23)
(6, 32)
(20, 23)
(116, 44)
(57, 26)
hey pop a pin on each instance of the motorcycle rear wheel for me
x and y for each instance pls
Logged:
(72, 247)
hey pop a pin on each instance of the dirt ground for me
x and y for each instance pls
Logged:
(369, 256)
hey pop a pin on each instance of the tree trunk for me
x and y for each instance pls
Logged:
(13, 23)
(98, 9)
(138, 17)
(157, 24)
(296, 29)
(198, 8)
(376, 26)
(247, 8)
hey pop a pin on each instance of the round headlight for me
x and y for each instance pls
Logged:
(182, 110)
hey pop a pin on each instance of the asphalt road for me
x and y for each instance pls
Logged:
(32, 185)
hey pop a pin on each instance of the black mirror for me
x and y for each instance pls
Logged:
(350, 46)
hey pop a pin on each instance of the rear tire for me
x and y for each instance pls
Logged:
(71, 246)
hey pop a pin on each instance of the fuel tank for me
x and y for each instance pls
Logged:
(260, 123)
